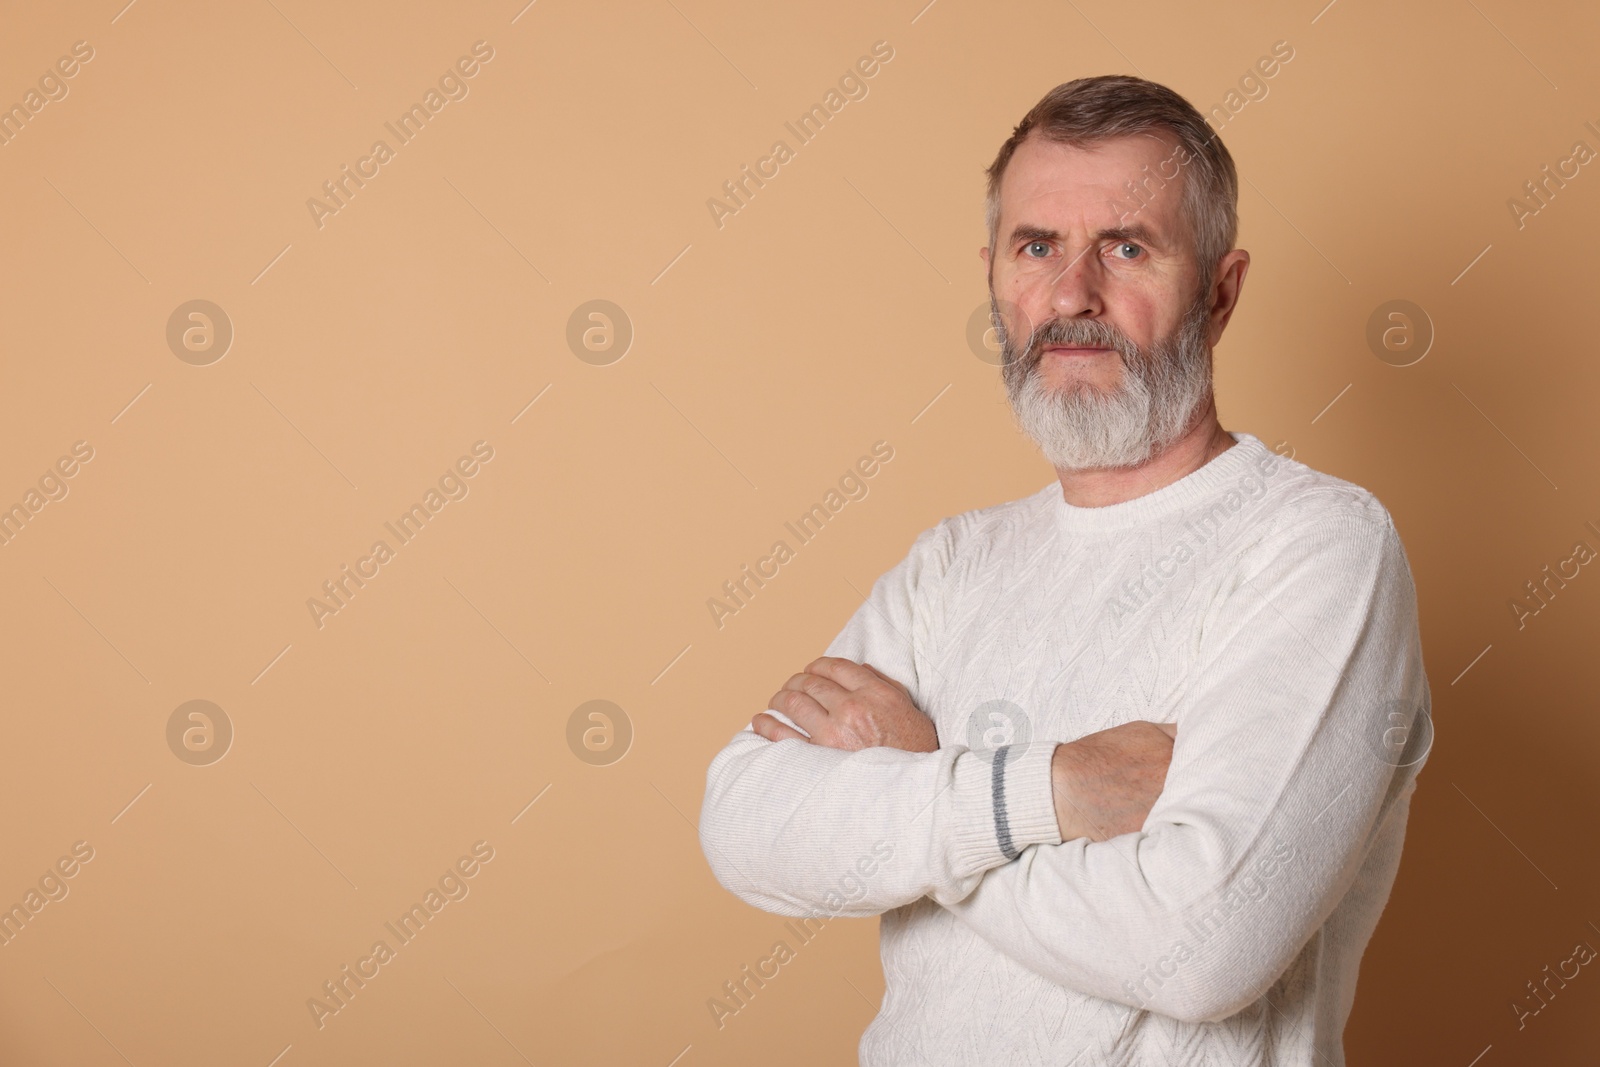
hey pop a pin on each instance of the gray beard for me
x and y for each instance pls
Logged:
(1157, 399)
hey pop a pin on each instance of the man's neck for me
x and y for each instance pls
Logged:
(1102, 486)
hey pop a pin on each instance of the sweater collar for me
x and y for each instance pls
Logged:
(1222, 472)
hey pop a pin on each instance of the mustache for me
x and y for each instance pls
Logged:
(1093, 333)
(1088, 333)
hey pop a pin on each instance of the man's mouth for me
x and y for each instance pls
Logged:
(1076, 350)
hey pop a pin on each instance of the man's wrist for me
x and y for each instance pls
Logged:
(1069, 822)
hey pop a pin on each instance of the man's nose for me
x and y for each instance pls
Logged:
(1075, 290)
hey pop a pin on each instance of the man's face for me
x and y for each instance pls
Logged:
(1106, 334)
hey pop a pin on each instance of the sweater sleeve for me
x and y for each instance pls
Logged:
(1285, 766)
(802, 829)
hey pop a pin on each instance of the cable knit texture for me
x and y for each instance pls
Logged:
(1265, 608)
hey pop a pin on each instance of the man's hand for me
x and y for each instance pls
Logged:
(848, 705)
(1105, 783)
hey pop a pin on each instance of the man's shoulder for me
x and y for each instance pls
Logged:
(1321, 521)
(1299, 495)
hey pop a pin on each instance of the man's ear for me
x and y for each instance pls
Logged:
(983, 254)
(1225, 291)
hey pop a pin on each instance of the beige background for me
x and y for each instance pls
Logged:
(768, 355)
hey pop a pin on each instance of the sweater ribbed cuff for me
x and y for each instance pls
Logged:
(1002, 804)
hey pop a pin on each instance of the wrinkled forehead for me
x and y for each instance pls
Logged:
(1087, 188)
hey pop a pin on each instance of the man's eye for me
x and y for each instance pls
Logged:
(1128, 250)
(1031, 245)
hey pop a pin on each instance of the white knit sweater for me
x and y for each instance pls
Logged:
(1264, 607)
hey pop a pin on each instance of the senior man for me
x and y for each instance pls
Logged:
(1123, 764)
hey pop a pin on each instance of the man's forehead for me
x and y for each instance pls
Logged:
(1046, 181)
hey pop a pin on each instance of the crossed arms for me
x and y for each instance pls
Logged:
(1088, 861)
(1101, 785)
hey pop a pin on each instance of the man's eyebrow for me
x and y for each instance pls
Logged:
(1032, 233)
(1137, 232)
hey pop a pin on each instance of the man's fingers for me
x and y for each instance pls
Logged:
(770, 727)
(802, 709)
(852, 675)
(886, 678)
(845, 672)
(824, 691)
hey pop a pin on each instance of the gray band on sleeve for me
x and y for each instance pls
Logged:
(1002, 826)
